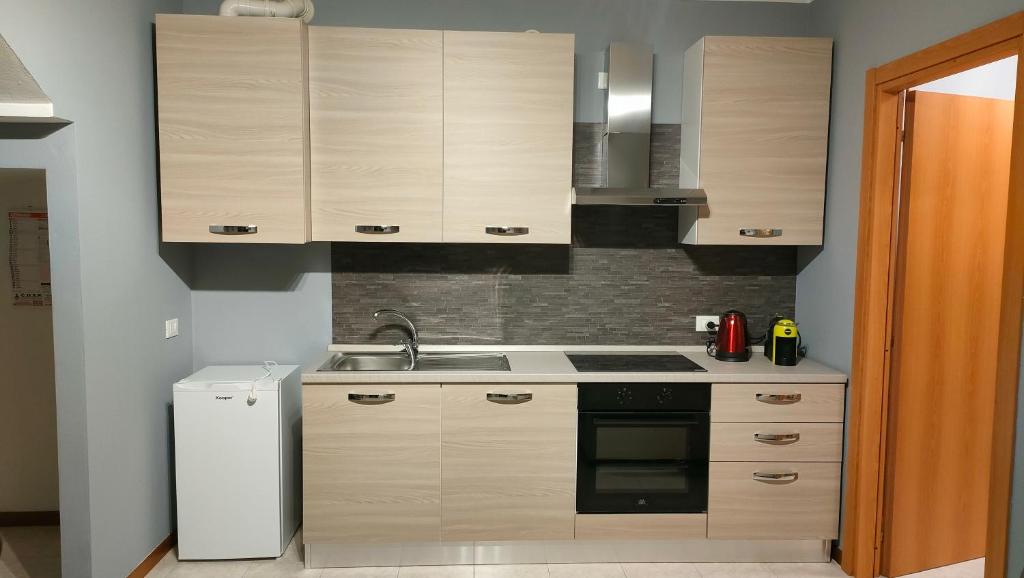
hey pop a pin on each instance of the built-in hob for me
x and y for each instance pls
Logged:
(633, 363)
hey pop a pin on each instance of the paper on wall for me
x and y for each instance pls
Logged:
(29, 258)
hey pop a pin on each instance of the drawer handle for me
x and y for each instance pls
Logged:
(378, 229)
(779, 397)
(509, 397)
(234, 229)
(777, 438)
(507, 231)
(775, 476)
(371, 398)
(761, 233)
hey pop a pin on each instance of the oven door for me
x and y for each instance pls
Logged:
(642, 462)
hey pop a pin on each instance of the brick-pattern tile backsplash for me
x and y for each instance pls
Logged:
(625, 280)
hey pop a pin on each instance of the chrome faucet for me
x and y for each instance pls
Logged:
(412, 344)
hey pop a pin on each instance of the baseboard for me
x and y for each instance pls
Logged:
(154, 557)
(29, 519)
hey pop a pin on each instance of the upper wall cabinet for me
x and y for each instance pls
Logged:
(376, 134)
(233, 126)
(508, 114)
(755, 137)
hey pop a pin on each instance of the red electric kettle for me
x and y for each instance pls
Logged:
(732, 341)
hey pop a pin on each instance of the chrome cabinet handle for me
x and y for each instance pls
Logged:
(776, 476)
(761, 233)
(777, 438)
(233, 229)
(371, 397)
(377, 229)
(509, 397)
(779, 397)
(507, 231)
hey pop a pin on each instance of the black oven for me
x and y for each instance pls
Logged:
(643, 447)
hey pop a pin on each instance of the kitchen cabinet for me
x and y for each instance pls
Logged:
(508, 455)
(775, 402)
(233, 129)
(755, 138)
(641, 526)
(371, 463)
(376, 134)
(508, 122)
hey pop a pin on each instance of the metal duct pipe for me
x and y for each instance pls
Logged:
(274, 8)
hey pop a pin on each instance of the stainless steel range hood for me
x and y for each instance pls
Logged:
(627, 139)
(25, 110)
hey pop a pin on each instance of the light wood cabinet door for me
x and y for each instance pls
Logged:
(376, 126)
(508, 467)
(233, 129)
(763, 139)
(371, 467)
(777, 402)
(641, 526)
(745, 502)
(508, 115)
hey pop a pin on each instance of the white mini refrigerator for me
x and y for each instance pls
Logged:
(236, 449)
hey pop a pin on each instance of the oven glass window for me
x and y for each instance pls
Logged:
(643, 440)
(648, 478)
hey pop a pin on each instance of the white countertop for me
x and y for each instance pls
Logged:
(548, 364)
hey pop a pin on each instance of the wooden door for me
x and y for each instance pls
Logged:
(233, 126)
(763, 138)
(376, 134)
(947, 302)
(371, 467)
(508, 467)
(508, 114)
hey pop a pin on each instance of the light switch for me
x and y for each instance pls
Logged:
(602, 81)
(703, 320)
(170, 328)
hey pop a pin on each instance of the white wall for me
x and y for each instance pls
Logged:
(28, 394)
(94, 59)
(994, 80)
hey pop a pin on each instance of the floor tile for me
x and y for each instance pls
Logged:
(288, 566)
(435, 572)
(830, 570)
(969, 569)
(380, 572)
(511, 571)
(585, 571)
(739, 570)
(232, 569)
(637, 570)
(164, 566)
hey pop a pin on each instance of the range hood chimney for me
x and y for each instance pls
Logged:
(627, 138)
(25, 111)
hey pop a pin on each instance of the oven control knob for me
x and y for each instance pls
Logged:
(664, 395)
(624, 395)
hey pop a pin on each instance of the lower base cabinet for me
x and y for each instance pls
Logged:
(773, 500)
(371, 465)
(508, 456)
(641, 526)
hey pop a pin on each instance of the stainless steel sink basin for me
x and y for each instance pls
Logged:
(390, 361)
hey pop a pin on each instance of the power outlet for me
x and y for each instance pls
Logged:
(170, 328)
(703, 320)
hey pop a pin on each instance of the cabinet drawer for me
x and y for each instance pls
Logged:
(745, 503)
(371, 466)
(641, 526)
(509, 461)
(758, 402)
(763, 442)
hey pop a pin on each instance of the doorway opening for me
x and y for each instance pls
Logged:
(29, 518)
(937, 329)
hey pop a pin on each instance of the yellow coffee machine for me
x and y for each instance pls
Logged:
(782, 342)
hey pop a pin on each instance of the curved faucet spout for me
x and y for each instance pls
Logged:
(411, 345)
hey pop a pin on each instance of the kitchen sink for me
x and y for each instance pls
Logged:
(391, 361)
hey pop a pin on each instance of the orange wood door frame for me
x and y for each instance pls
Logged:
(873, 317)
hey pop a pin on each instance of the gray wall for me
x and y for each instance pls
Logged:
(867, 33)
(114, 368)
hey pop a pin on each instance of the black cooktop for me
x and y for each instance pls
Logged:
(646, 362)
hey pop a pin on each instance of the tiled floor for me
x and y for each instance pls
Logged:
(36, 551)
(972, 569)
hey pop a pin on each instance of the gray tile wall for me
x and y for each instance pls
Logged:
(625, 279)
